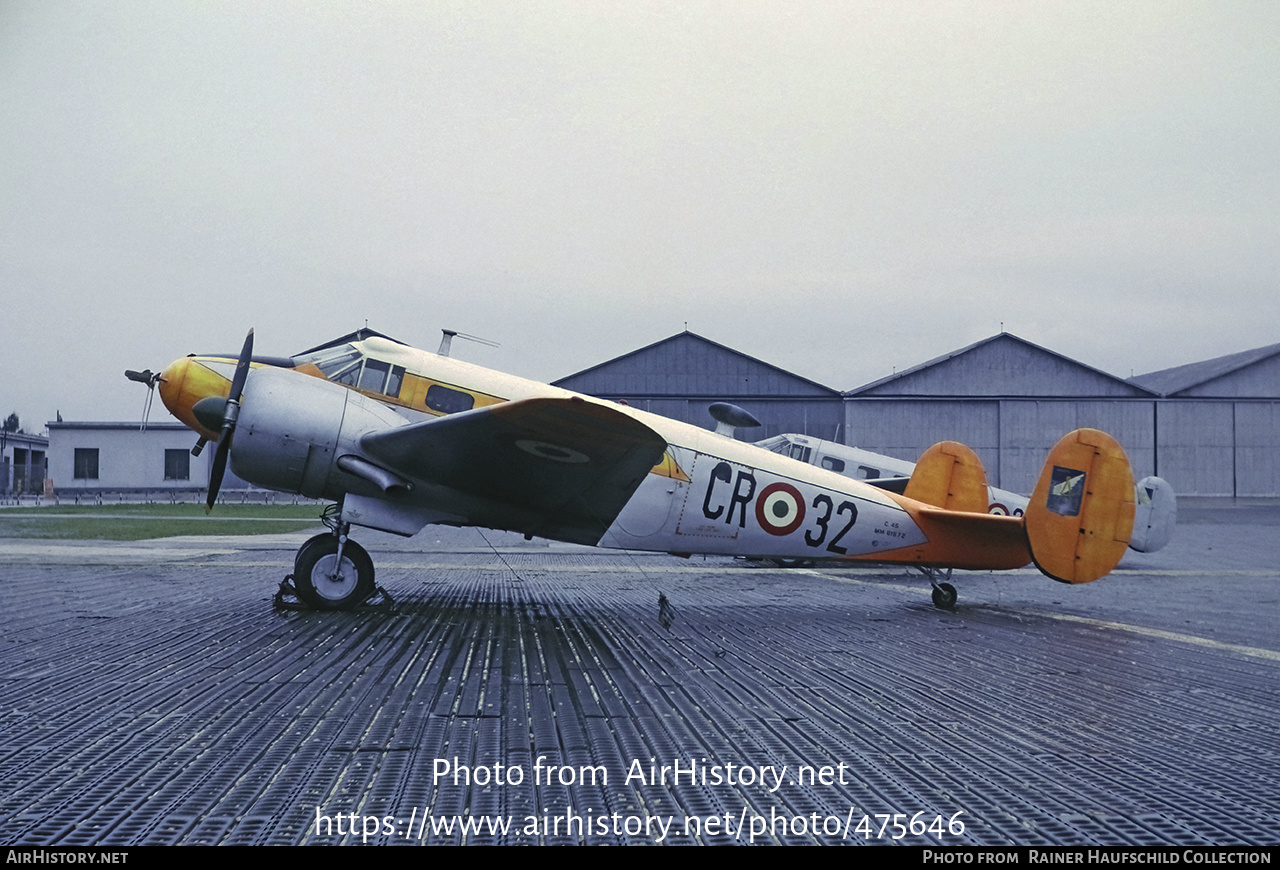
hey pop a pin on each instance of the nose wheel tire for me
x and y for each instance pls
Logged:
(325, 584)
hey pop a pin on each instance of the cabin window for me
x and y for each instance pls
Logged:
(866, 472)
(448, 401)
(177, 465)
(799, 451)
(86, 463)
(830, 463)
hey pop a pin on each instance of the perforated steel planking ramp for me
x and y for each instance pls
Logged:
(152, 696)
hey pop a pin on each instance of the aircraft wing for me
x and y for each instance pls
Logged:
(558, 468)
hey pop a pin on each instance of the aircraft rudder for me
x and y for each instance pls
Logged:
(949, 475)
(1080, 517)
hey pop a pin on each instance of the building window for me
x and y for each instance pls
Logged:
(86, 463)
(177, 465)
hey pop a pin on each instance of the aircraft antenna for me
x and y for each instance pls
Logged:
(446, 341)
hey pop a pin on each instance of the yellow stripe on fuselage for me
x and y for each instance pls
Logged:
(413, 392)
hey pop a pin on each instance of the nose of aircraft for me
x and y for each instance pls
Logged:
(187, 381)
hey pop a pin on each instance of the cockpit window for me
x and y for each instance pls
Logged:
(393, 382)
(349, 376)
(776, 444)
(374, 377)
(381, 377)
(341, 364)
(346, 365)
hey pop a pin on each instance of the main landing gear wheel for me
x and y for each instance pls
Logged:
(944, 596)
(324, 584)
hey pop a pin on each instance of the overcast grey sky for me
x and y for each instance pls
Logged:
(837, 188)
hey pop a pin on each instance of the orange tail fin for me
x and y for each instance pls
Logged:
(1081, 513)
(950, 475)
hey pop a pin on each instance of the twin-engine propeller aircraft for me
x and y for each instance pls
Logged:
(400, 438)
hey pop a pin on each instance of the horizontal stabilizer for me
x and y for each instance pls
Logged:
(1081, 514)
(961, 539)
(949, 475)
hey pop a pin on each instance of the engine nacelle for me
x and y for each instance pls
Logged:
(294, 427)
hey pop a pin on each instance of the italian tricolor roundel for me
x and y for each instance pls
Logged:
(780, 509)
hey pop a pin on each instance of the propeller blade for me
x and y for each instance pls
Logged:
(242, 368)
(219, 468)
(230, 413)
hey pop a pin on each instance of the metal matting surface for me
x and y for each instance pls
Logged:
(151, 695)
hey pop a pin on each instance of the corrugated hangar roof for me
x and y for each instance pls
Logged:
(1249, 373)
(687, 364)
(1002, 365)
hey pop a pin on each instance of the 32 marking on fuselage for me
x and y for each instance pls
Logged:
(780, 508)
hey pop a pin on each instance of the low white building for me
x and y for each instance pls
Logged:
(96, 457)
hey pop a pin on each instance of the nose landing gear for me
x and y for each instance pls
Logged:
(332, 572)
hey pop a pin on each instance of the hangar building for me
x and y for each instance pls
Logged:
(680, 376)
(1209, 428)
(1218, 423)
(1008, 399)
